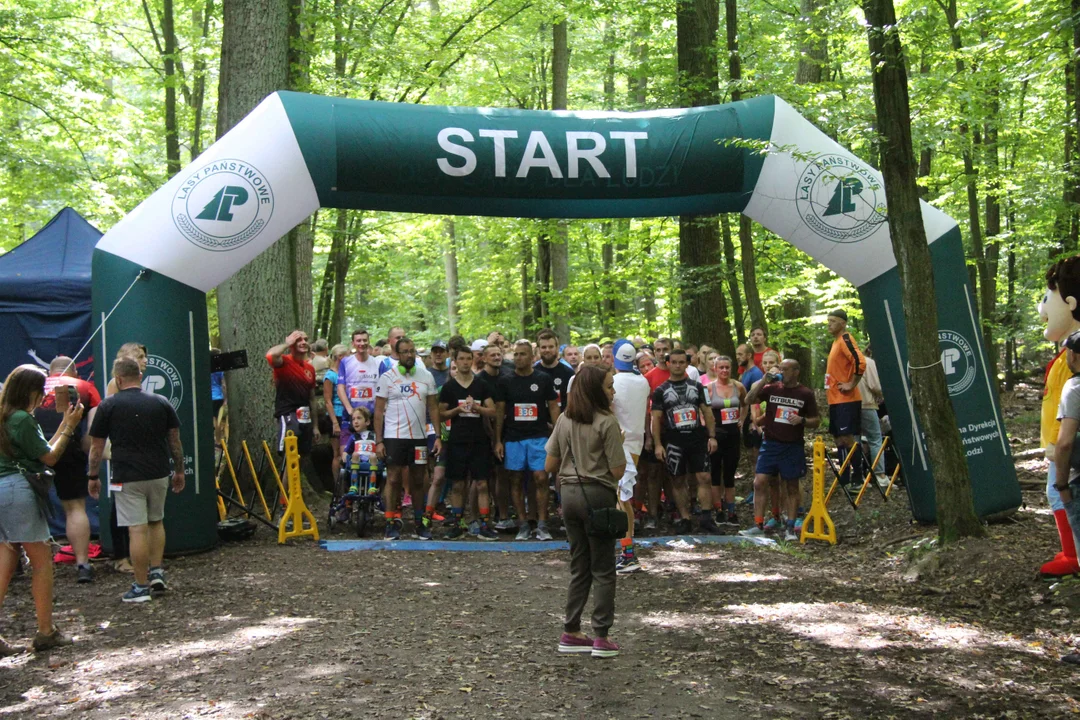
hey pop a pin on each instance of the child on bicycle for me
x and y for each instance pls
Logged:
(358, 453)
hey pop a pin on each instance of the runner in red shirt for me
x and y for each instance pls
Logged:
(294, 381)
(758, 345)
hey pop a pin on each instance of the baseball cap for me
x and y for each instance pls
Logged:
(438, 345)
(479, 345)
(624, 355)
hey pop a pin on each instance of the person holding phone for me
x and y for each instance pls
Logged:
(64, 388)
(23, 451)
(294, 398)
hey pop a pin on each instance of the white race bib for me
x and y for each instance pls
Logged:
(303, 415)
(785, 414)
(729, 416)
(420, 455)
(685, 418)
(526, 412)
(461, 403)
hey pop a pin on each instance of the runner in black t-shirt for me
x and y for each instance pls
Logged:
(492, 370)
(547, 342)
(683, 420)
(789, 408)
(527, 407)
(465, 400)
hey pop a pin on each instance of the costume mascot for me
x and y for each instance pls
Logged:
(1060, 310)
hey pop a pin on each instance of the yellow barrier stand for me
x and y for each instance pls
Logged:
(284, 496)
(866, 482)
(296, 511)
(818, 516)
(256, 480)
(232, 473)
(221, 511)
(840, 473)
(892, 480)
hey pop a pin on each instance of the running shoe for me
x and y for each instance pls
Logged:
(732, 517)
(627, 564)
(506, 525)
(798, 524)
(752, 532)
(571, 644)
(749, 499)
(422, 530)
(137, 594)
(393, 530)
(474, 527)
(456, 532)
(707, 525)
(772, 525)
(55, 639)
(650, 523)
(157, 580)
(790, 535)
(542, 532)
(354, 490)
(7, 650)
(604, 648)
(86, 574)
(682, 526)
(524, 532)
(486, 533)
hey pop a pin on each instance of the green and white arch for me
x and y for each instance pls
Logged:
(296, 153)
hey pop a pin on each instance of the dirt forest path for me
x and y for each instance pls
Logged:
(255, 630)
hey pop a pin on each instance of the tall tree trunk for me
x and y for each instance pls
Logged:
(746, 234)
(987, 280)
(560, 249)
(253, 312)
(648, 287)
(732, 279)
(955, 510)
(338, 252)
(543, 276)
(926, 154)
(704, 309)
(450, 264)
(526, 296)
(172, 133)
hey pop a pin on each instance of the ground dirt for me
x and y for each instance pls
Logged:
(257, 630)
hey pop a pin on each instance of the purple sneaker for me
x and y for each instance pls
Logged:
(604, 648)
(571, 644)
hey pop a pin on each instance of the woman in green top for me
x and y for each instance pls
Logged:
(22, 521)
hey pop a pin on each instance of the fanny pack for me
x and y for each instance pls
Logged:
(604, 523)
(40, 483)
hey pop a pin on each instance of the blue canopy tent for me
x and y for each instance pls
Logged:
(45, 306)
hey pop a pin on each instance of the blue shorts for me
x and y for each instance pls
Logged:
(788, 460)
(526, 455)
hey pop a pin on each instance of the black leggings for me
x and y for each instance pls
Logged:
(726, 458)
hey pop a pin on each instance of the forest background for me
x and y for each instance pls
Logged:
(101, 102)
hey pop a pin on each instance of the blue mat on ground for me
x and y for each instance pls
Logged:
(674, 542)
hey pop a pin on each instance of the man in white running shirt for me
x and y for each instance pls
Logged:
(405, 397)
(631, 409)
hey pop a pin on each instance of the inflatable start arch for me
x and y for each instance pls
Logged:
(296, 153)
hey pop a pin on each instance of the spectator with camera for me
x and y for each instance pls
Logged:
(24, 455)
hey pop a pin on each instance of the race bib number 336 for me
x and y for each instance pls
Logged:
(526, 412)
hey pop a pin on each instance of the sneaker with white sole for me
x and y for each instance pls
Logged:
(542, 532)
(571, 644)
(137, 594)
(506, 526)
(790, 535)
(627, 565)
(754, 531)
(157, 580)
(604, 648)
(524, 532)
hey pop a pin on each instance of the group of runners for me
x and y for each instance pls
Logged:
(461, 427)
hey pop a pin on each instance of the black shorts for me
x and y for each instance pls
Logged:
(684, 459)
(405, 452)
(71, 481)
(468, 460)
(304, 432)
(845, 418)
(750, 439)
